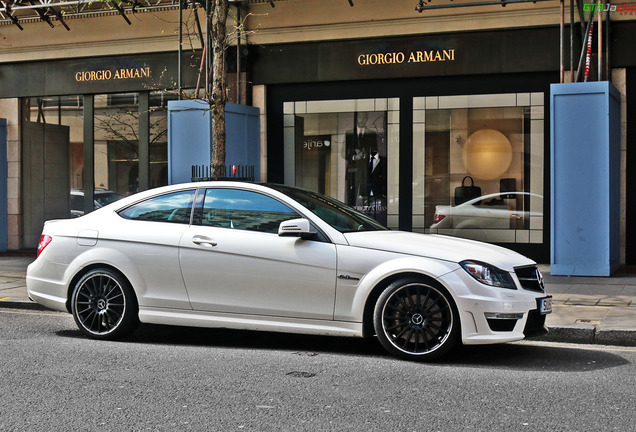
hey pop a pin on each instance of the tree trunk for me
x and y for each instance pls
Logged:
(219, 86)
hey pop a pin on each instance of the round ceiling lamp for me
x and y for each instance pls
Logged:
(487, 154)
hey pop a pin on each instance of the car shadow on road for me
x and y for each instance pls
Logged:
(247, 339)
(534, 357)
(511, 356)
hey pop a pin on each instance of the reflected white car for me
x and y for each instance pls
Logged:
(101, 197)
(493, 211)
(279, 258)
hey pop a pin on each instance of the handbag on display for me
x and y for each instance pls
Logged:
(465, 193)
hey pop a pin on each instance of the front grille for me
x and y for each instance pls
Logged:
(530, 278)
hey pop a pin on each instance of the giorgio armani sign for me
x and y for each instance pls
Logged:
(408, 57)
(130, 73)
(113, 74)
(463, 53)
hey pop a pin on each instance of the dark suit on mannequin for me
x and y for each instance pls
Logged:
(376, 176)
(359, 144)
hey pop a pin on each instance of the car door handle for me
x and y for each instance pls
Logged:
(203, 241)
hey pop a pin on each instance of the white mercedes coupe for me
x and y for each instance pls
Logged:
(279, 258)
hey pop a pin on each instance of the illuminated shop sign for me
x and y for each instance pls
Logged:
(111, 74)
(114, 74)
(400, 57)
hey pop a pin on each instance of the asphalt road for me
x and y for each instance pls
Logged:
(171, 378)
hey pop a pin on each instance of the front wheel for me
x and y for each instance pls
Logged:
(104, 306)
(416, 320)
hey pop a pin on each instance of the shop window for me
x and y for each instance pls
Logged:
(123, 99)
(347, 149)
(478, 167)
(63, 101)
(117, 141)
(53, 153)
(158, 171)
(117, 144)
(57, 118)
(51, 161)
(160, 99)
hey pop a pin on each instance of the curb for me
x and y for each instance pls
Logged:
(589, 334)
(616, 337)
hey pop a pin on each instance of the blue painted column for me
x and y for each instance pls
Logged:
(190, 137)
(585, 179)
(3, 185)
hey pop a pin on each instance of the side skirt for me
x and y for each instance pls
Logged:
(248, 322)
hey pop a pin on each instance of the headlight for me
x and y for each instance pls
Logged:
(488, 275)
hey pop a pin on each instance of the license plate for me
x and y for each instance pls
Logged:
(545, 305)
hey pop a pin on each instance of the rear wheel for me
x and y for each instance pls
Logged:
(104, 305)
(416, 320)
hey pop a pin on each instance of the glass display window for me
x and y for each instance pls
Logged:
(478, 166)
(117, 143)
(347, 149)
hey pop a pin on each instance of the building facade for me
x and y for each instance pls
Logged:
(432, 122)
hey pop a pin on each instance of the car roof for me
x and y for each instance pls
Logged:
(498, 194)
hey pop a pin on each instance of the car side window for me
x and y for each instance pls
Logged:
(174, 208)
(244, 210)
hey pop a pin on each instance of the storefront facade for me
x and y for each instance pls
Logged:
(431, 117)
(438, 124)
(86, 125)
(460, 121)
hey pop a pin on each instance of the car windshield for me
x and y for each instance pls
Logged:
(338, 215)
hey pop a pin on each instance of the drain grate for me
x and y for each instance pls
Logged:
(588, 321)
(297, 374)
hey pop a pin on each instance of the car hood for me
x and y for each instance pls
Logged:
(438, 247)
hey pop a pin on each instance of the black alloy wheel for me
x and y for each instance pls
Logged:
(416, 320)
(104, 305)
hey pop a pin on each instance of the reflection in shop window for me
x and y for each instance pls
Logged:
(478, 167)
(347, 150)
(63, 101)
(160, 99)
(52, 171)
(123, 99)
(159, 137)
(117, 143)
(51, 132)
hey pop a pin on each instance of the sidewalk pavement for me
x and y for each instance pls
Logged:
(594, 310)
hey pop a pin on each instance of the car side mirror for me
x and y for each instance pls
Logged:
(296, 228)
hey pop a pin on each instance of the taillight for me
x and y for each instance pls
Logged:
(44, 242)
(438, 218)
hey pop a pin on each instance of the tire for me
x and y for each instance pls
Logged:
(104, 305)
(416, 320)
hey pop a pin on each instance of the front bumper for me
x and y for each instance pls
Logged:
(490, 315)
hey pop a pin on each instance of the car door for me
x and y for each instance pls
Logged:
(233, 260)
